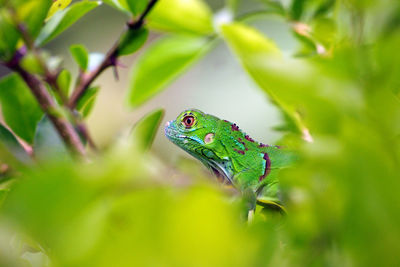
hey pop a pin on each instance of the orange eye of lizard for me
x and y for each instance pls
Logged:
(188, 121)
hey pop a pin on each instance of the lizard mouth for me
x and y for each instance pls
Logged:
(171, 133)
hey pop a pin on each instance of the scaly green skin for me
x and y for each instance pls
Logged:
(249, 166)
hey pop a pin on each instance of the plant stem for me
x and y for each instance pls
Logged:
(51, 79)
(47, 104)
(139, 22)
(86, 79)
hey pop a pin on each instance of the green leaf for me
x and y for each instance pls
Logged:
(31, 64)
(57, 6)
(80, 54)
(324, 7)
(144, 131)
(8, 140)
(32, 14)
(324, 31)
(254, 49)
(20, 109)
(274, 6)
(64, 81)
(63, 20)
(117, 5)
(48, 143)
(296, 9)
(183, 16)
(9, 35)
(3, 195)
(132, 41)
(161, 63)
(86, 102)
(136, 6)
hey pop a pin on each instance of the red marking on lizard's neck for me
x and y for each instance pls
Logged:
(239, 151)
(248, 138)
(267, 167)
(235, 127)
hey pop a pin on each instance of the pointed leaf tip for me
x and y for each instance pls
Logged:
(144, 131)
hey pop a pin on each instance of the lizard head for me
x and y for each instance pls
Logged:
(193, 131)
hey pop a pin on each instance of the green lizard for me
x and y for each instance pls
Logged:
(249, 166)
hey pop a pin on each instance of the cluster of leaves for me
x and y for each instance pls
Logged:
(340, 93)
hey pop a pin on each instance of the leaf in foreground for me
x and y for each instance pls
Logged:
(145, 130)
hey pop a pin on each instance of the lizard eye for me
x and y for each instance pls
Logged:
(188, 121)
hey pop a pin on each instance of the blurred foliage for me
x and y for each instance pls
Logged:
(340, 92)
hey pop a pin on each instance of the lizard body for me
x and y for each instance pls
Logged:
(250, 166)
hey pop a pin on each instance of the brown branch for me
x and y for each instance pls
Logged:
(85, 79)
(47, 104)
(51, 79)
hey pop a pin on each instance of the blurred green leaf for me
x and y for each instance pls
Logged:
(32, 14)
(57, 5)
(31, 64)
(144, 131)
(3, 194)
(86, 221)
(324, 31)
(16, 97)
(63, 19)
(253, 48)
(136, 6)
(64, 81)
(274, 6)
(182, 16)
(117, 5)
(132, 41)
(9, 35)
(86, 102)
(161, 63)
(324, 7)
(80, 54)
(296, 9)
(9, 141)
(308, 47)
(48, 143)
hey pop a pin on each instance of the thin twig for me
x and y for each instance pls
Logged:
(85, 79)
(51, 79)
